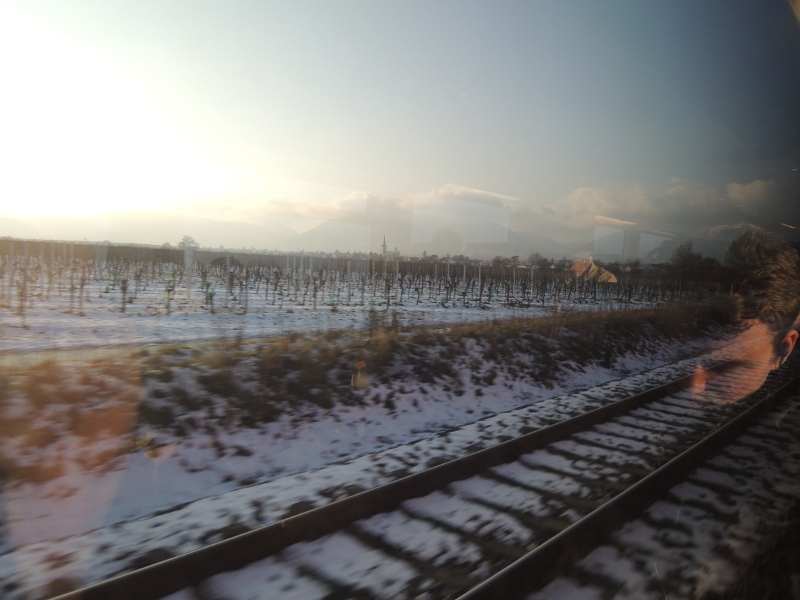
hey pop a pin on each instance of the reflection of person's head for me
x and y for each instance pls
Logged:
(768, 280)
(764, 307)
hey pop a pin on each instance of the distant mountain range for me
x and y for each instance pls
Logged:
(352, 232)
(356, 232)
(335, 234)
(149, 227)
(481, 241)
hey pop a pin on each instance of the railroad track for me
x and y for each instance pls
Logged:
(488, 525)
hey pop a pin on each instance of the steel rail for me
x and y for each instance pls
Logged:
(174, 574)
(542, 564)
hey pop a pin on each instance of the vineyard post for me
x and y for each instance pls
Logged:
(3, 267)
(386, 283)
(22, 290)
(12, 266)
(227, 278)
(363, 279)
(374, 279)
(348, 283)
(187, 267)
(480, 293)
(533, 290)
(23, 285)
(61, 268)
(275, 284)
(246, 288)
(101, 264)
(71, 289)
(315, 293)
(40, 278)
(25, 273)
(543, 283)
(83, 284)
(513, 278)
(123, 287)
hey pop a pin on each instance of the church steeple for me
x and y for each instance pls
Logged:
(383, 246)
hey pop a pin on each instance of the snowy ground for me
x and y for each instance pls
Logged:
(92, 489)
(701, 537)
(48, 322)
(101, 517)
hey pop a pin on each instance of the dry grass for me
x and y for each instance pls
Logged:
(214, 386)
(50, 403)
(261, 382)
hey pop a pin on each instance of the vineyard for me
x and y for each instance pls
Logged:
(60, 294)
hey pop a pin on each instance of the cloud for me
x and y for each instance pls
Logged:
(586, 202)
(249, 208)
(730, 232)
(298, 209)
(681, 205)
(466, 193)
(475, 216)
(754, 195)
(354, 201)
(579, 208)
(685, 197)
(257, 210)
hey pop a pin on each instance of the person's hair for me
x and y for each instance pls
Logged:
(767, 282)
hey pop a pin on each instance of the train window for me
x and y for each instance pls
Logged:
(398, 299)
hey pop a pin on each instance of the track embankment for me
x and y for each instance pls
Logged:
(491, 524)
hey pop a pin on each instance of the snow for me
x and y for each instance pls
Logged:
(660, 429)
(423, 539)
(702, 495)
(600, 455)
(265, 579)
(571, 465)
(469, 516)
(564, 588)
(541, 480)
(95, 520)
(697, 540)
(341, 558)
(182, 526)
(492, 492)
(48, 324)
(619, 442)
(658, 415)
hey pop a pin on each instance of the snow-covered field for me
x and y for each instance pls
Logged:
(54, 318)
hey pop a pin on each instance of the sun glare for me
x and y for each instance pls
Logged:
(79, 137)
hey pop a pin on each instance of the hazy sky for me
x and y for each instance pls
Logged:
(674, 114)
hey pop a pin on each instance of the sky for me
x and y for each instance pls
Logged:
(677, 116)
